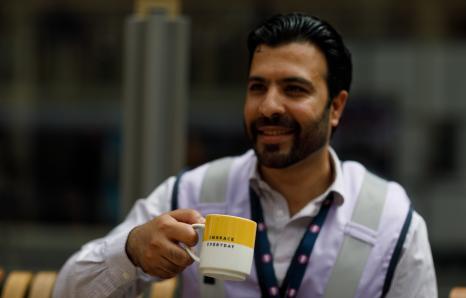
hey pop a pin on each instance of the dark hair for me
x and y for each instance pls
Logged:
(299, 27)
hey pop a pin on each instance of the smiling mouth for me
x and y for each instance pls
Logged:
(274, 134)
(275, 131)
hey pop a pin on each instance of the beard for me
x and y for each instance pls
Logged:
(307, 139)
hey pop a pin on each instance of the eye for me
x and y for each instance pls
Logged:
(257, 87)
(295, 89)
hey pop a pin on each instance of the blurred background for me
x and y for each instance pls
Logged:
(62, 86)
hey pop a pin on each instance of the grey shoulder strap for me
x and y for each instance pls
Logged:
(354, 253)
(215, 182)
(213, 190)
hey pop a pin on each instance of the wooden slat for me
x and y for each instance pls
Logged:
(458, 292)
(17, 284)
(42, 284)
(163, 289)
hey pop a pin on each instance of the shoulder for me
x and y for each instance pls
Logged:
(365, 191)
(415, 274)
(217, 176)
(240, 165)
(354, 174)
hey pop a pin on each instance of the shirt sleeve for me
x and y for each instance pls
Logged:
(415, 274)
(101, 267)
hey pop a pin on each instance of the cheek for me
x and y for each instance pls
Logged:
(249, 111)
(302, 112)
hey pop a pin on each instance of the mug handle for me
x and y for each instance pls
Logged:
(196, 227)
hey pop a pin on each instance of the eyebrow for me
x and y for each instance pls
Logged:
(298, 80)
(256, 79)
(288, 80)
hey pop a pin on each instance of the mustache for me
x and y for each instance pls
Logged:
(276, 120)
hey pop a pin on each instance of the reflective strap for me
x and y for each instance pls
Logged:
(214, 184)
(371, 201)
(213, 190)
(354, 253)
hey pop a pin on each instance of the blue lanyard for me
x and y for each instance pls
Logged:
(263, 256)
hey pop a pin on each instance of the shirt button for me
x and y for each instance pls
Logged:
(126, 275)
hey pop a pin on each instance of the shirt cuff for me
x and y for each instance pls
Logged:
(121, 269)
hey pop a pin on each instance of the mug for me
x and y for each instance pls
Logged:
(227, 248)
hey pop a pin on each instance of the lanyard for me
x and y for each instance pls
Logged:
(263, 256)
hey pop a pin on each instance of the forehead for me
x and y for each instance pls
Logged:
(293, 59)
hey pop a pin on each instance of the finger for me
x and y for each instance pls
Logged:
(163, 271)
(181, 232)
(189, 216)
(178, 256)
(171, 267)
(162, 267)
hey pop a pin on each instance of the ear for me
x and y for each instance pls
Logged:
(337, 107)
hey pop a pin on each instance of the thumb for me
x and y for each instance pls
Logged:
(189, 216)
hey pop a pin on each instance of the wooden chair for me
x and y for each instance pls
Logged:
(42, 284)
(2, 275)
(17, 284)
(458, 292)
(22, 284)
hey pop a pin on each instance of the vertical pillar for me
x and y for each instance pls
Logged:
(164, 98)
(155, 98)
(132, 107)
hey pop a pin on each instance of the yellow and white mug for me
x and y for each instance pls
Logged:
(227, 247)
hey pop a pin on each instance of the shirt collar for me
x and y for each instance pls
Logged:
(337, 186)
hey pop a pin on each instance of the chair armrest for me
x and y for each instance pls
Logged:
(458, 292)
(42, 284)
(17, 284)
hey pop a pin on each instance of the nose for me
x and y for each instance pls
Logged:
(272, 103)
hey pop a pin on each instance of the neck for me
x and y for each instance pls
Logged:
(303, 181)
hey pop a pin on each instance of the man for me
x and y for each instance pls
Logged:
(355, 234)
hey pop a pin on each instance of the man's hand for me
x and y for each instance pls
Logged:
(154, 247)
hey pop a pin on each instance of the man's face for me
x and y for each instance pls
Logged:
(286, 112)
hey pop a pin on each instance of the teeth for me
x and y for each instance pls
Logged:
(275, 132)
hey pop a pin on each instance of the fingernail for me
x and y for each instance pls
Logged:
(201, 220)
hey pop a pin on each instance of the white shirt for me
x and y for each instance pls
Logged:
(414, 275)
(102, 269)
